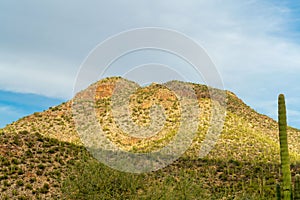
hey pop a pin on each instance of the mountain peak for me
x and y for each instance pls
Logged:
(242, 123)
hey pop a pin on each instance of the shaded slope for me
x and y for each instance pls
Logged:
(34, 166)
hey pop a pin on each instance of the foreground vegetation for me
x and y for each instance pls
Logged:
(42, 168)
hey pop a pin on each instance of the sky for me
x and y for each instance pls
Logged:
(255, 45)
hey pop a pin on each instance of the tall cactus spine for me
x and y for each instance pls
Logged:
(284, 152)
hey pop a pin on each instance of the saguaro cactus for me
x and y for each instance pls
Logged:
(278, 192)
(284, 151)
(297, 187)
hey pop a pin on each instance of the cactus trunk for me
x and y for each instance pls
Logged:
(284, 152)
(278, 192)
(297, 188)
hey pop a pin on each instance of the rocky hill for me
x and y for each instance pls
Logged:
(39, 152)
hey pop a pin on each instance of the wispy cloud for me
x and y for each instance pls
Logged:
(9, 110)
(255, 44)
(46, 76)
(9, 114)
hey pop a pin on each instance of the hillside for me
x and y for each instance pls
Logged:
(243, 164)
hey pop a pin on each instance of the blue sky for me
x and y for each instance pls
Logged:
(254, 44)
(15, 105)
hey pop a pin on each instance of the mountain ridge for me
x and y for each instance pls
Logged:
(57, 122)
(42, 156)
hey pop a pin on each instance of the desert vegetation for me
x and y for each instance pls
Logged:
(42, 156)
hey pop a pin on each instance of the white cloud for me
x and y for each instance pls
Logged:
(38, 75)
(8, 109)
(250, 41)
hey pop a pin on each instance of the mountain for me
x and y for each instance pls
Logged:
(42, 155)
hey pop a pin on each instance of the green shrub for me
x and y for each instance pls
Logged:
(20, 183)
(45, 188)
(28, 186)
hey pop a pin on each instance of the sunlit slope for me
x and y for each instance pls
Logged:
(247, 135)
